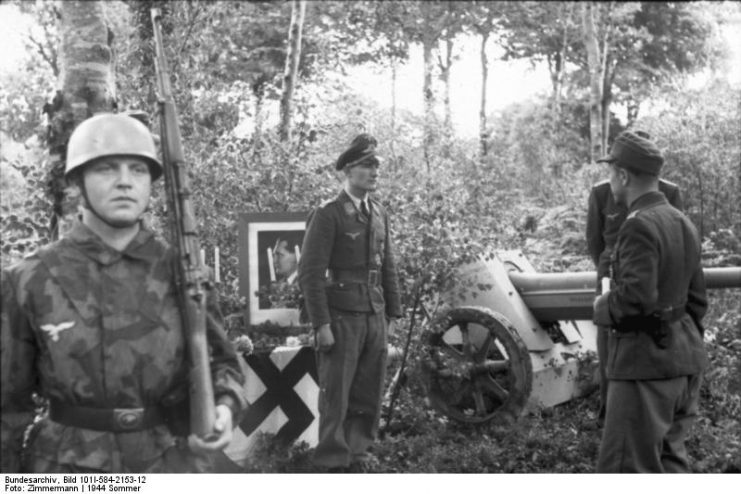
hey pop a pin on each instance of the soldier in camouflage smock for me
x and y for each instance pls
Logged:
(91, 323)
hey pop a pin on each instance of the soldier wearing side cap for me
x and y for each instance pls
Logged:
(91, 323)
(654, 309)
(349, 238)
(604, 218)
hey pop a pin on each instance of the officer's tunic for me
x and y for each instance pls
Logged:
(604, 219)
(655, 351)
(88, 326)
(361, 291)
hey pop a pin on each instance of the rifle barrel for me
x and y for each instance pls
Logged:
(191, 276)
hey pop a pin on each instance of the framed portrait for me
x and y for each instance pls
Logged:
(269, 252)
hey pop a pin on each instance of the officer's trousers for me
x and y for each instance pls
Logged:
(351, 380)
(646, 425)
(602, 332)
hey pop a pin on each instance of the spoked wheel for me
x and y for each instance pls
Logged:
(477, 367)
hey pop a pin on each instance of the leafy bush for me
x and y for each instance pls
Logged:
(698, 132)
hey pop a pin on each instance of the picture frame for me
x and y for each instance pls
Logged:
(269, 251)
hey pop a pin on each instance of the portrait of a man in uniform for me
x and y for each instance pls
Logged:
(285, 261)
(270, 251)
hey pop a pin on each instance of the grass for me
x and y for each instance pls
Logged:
(562, 439)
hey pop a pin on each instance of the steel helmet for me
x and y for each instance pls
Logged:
(111, 134)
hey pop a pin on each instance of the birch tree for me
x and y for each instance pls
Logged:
(596, 80)
(290, 75)
(482, 20)
(86, 85)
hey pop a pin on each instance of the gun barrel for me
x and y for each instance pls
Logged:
(722, 277)
(569, 296)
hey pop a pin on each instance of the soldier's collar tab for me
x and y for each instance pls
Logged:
(647, 200)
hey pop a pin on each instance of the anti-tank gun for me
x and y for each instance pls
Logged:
(516, 340)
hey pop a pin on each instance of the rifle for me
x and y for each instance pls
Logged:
(191, 275)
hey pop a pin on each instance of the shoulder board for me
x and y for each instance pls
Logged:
(601, 189)
(326, 203)
(603, 183)
(633, 214)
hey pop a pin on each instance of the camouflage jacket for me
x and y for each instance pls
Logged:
(90, 326)
(339, 238)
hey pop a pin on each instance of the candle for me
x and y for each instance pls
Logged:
(270, 264)
(203, 256)
(217, 265)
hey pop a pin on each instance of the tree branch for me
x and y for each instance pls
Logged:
(191, 25)
(49, 58)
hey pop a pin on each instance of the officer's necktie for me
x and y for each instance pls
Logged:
(364, 209)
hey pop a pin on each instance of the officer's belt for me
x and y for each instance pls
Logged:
(106, 419)
(363, 276)
(652, 322)
(670, 314)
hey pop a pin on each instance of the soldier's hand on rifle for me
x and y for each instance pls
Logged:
(222, 434)
(324, 338)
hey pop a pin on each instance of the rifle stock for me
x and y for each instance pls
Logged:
(191, 275)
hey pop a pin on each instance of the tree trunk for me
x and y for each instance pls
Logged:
(595, 80)
(605, 107)
(392, 141)
(555, 68)
(633, 108)
(292, 58)
(483, 132)
(445, 66)
(258, 90)
(429, 99)
(445, 62)
(559, 61)
(607, 74)
(737, 200)
(86, 86)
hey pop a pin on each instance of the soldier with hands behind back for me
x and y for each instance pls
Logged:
(91, 323)
(655, 349)
(348, 238)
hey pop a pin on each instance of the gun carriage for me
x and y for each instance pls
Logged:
(516, 340)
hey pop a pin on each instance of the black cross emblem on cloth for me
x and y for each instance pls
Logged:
(280, 393)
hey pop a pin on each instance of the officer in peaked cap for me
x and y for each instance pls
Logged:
(91, 324)
(605, 216)
(655, 350)
(362, 148)
(348, 237)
